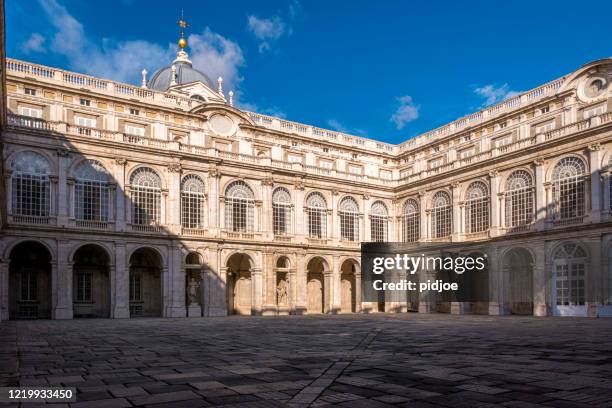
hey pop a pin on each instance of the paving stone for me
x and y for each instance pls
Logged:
(346, 360)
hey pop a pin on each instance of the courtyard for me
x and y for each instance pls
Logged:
(378, 360)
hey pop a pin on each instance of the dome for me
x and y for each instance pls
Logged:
(185, 73)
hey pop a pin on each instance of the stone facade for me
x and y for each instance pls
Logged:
(123, 201)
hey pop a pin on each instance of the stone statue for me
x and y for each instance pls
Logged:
(192, 292)
(281, 292)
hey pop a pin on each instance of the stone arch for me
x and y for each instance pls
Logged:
(239, 267)
(517, 271)
(51, 161)
(30, 280)
(91, 280)
(146, 265)
(316, 292)
(194, 283)
(9, 248)
(79, 161)
(247, 183)
(134, 169)
(284, 282)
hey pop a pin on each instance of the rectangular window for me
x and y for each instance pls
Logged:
(134, 112)
(349, 225)
(502, 141)
(91, 200)
(85, 102)
(545, 109)
(317, 222)
(385, 175)
(83, 287)
(465, 153)
(325, 164)
(281, 215)
(545, 127)
(85, 122)
(406, 173)
(30, 91)
(354, 169)
(31, 112)
(135, 287)
(29, 285)
(503, 125)
(379, 228)
(134, 130)
(432, 164)
(292, 158)
(596, 111)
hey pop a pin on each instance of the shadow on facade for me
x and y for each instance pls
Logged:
(91, 245)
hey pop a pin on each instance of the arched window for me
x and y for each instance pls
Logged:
(239, 207)
(477, 207)
(569, 188)
(316, 213)
(411, 221)
(441, 215)
(379, 225)
(192, 202)
(145, 187)
(569, 263)
(281, 211)
(30, 185)
(348, 211)
(519, 199)
(92, 192)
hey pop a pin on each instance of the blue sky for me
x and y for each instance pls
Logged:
(387, 70)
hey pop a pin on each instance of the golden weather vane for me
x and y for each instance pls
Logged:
(183, 24)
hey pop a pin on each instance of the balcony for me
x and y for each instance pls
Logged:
(242, 235)
(194, 232)
(569, 221)
(92, 225)
(146, 228)
(31, 219)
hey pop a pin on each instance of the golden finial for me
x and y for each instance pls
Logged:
(182, 43)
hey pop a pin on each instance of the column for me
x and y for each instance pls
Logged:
(213, 199)
(335, 219)
(269, 280)
(497, 302)
(596, 196)
(173, 217)
(366, 235)
(494, 186)
(427, 299)
(120, 280)
(256, 291)
(215, 285)
(424, 217)
(299, 229)
(607, 203)
(300, 283)
(328, 283)
(336, 286)
(540, 195)
(358, 292)
(548, 188)
(541, 270)
(266, 214)
(4, 290)
(121, 196)
(62, 283)
(456, 233)
(175, 278)
(501, 197)
(595, 288)
(62, 185)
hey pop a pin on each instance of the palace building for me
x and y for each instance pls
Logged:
(167, 200)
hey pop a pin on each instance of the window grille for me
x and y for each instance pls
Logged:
(83, 287)
(411, 221)
(379, 222)
(29, 285)
(441, 215)
(239, 207)
(92, 193)
(348, 212)
(30, 185)
(281, 211)
(477, 207)
(569, 268)
(316, 212)
(519, 199)
(146, 197)
(569, 188)
(192, 202)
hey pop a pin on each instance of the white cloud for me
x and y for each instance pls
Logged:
(337, 125)
(34, 44)
(268, 30)
(217, 56)
(212, 53)
(265, 30)
(493, 94)
(405, 113)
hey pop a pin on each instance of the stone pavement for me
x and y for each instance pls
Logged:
(407, 360)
